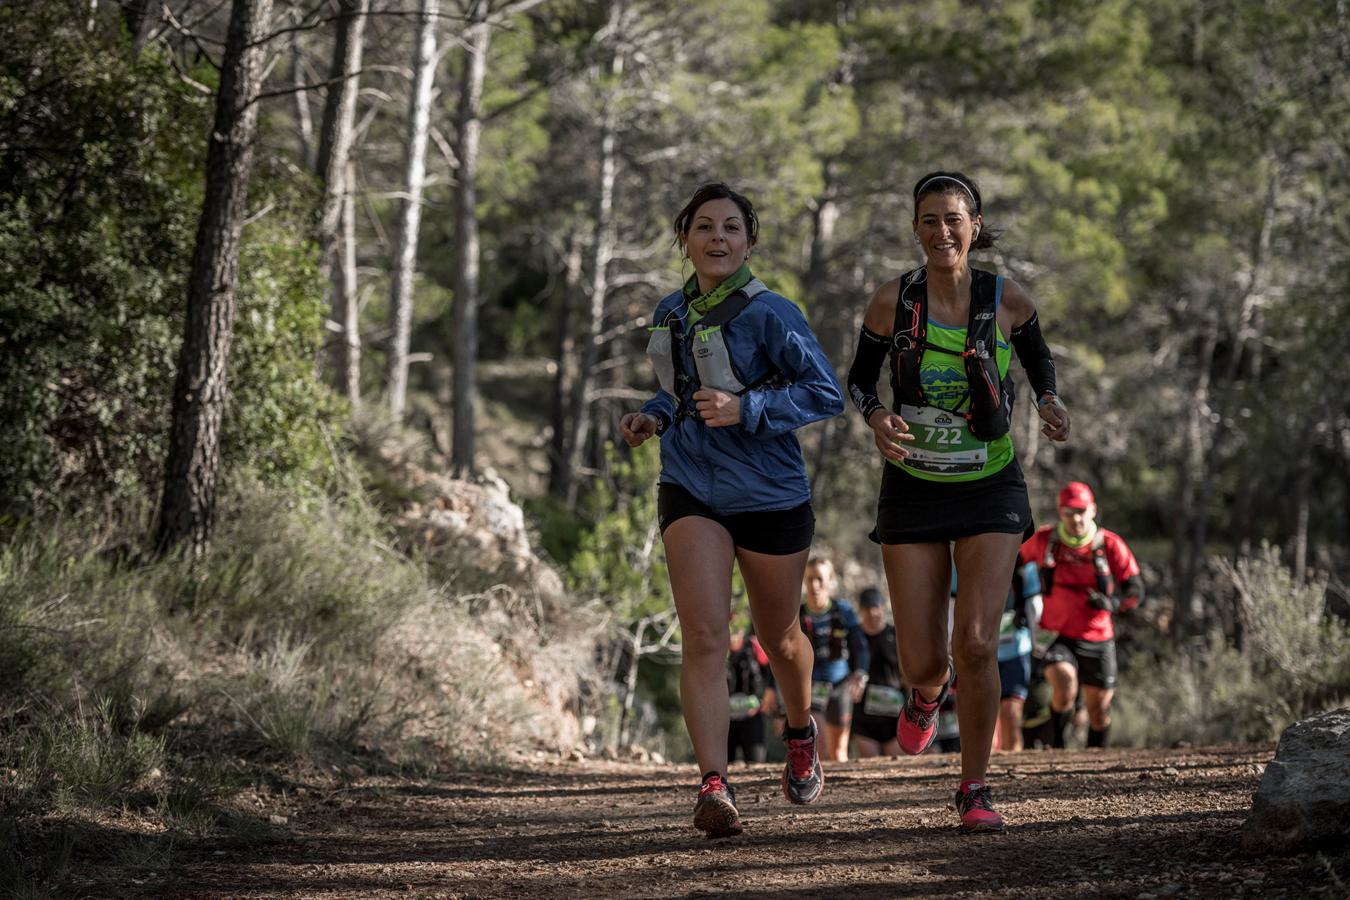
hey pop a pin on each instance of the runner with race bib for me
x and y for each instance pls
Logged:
(875, 723)
(840, 671)
(951, 488)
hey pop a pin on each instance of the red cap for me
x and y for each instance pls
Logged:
(1076, 495)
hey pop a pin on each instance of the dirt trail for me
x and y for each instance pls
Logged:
(1121, 823)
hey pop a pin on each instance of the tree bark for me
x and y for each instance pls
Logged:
(141, 17)
(469, 129)
(560, 473)
(335, 132)
(188, 505)
(602, 251)
(405, 256)
(345, 293)
(303, 120)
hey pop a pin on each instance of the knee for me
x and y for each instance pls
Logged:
(925, 671)
(973, 649)
(782, 647)
(701, 642)
(1061, 675)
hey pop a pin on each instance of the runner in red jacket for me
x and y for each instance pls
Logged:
(1088, 574)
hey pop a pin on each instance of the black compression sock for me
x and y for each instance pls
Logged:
(1058, 722)
(796, 734)
(1098, 738)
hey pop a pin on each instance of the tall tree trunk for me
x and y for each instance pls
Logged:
(335, 132)
(559, 472)
(303, 120)
(624, 738)
(469, 128)
(832, 320)
(602, 251)
(1190, 501)
(405, 256)
(347, 301)
(141, 17)
(188, 505)
(1302, 492)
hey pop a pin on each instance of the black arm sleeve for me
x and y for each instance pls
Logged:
(1034, 355)
(859, 654)
(1131, 593)
(866, 369)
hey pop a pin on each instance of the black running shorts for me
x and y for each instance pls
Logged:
(776, 532)
(1094, 660)
(914, 510)
(877, 728)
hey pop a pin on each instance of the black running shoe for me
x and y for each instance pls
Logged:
(715, 812)
(802, 777)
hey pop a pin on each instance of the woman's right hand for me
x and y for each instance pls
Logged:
(890, 430)
(636, 428)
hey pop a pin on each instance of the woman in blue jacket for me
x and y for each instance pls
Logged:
(739, 371)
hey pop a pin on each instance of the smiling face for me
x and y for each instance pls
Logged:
(946, 228)
(717, 242)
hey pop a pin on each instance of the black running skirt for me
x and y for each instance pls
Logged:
(918, 511)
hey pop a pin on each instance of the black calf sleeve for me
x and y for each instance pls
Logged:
(866, 368)
(1098, 738)
(1058, 722)
(1035, 356)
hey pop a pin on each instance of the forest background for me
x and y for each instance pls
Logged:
(376, 243)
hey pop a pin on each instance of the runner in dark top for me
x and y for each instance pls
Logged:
(875, 720)
(840, 670)
(746, 665)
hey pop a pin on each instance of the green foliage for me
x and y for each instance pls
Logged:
(100, 190)
(279, 411)
(84, 762)
(298, 637)
(621, 558)
(97, 209)
(1294, 661)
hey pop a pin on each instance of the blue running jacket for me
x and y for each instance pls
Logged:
(758, 464)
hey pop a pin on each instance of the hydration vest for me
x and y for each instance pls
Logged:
(1100, 566)
(838, 630)
(712, 361)
(991, 397)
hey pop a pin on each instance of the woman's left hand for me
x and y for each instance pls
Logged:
(1055, 415)
(717, 409)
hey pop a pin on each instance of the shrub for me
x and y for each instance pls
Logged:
(1293, 660)
(100, 191)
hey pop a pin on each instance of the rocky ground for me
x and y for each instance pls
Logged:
(1121, 823)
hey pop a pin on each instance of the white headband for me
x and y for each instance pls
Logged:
(965, 187)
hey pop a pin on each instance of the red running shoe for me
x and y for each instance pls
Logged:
(917, 725)
(975, 803)
(803, 779)
(716, 812)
